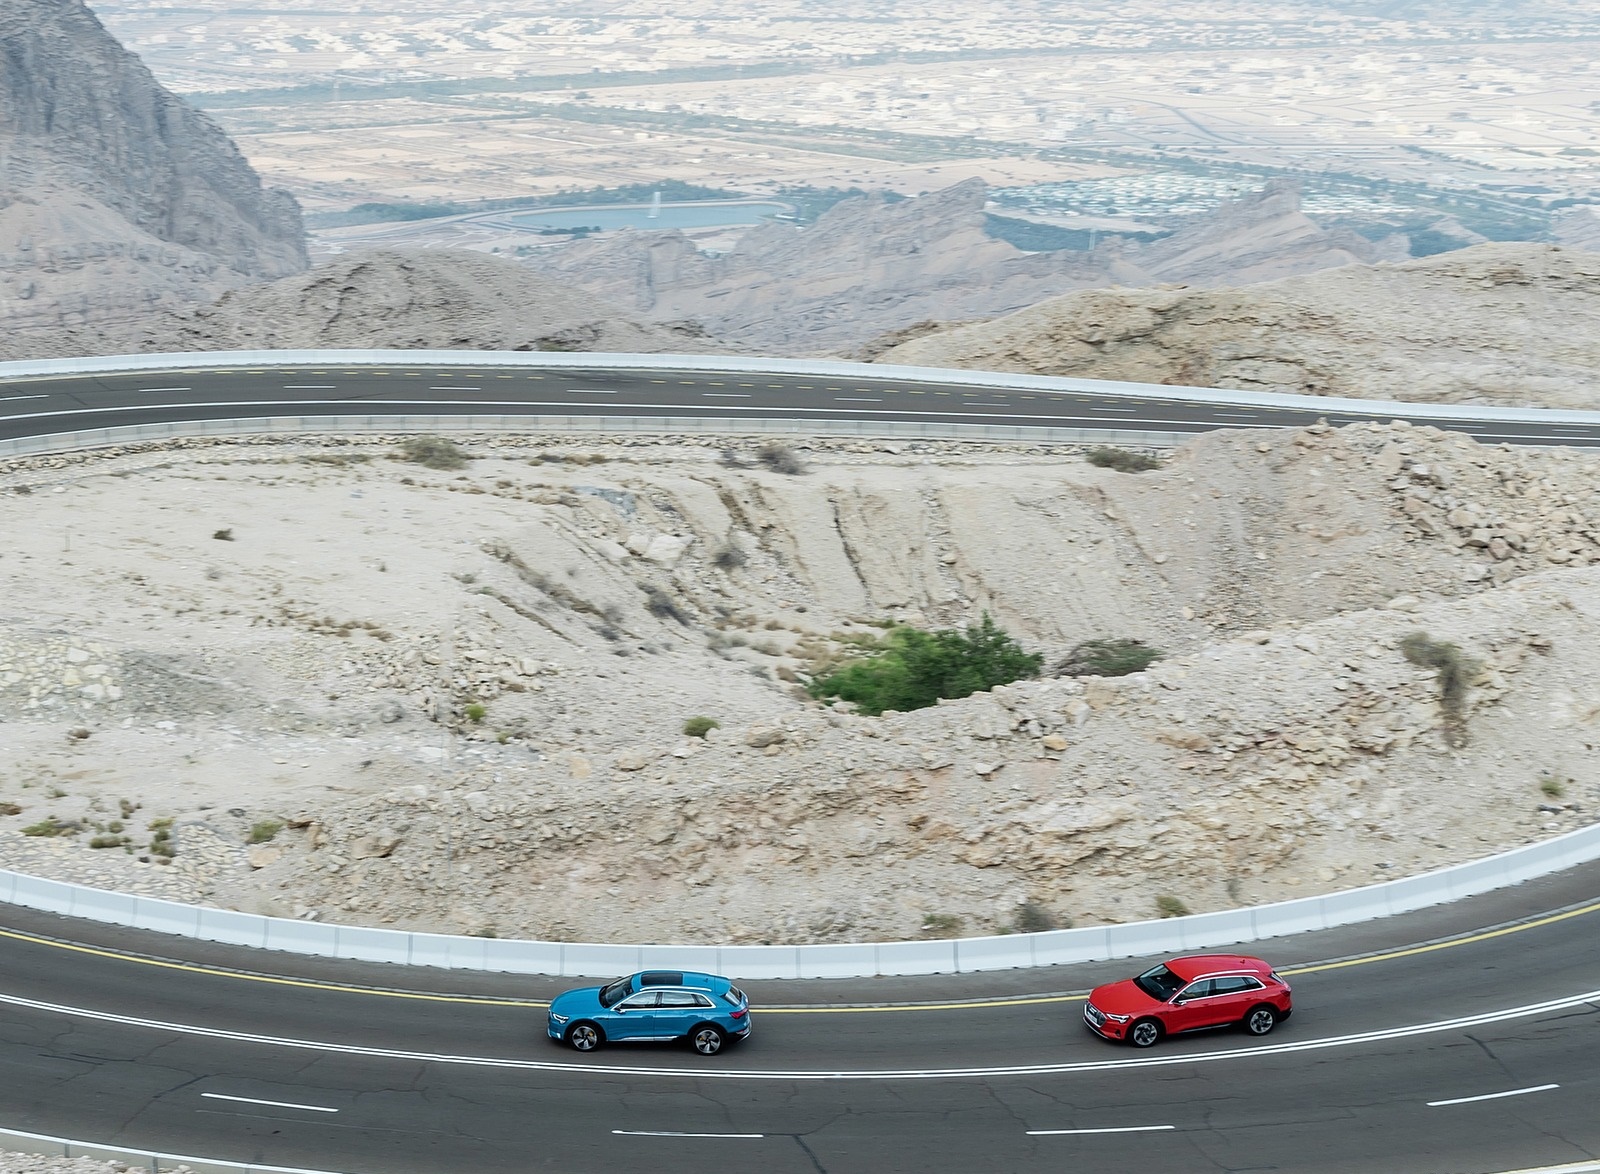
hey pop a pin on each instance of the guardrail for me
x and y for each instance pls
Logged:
(860, 960)
(17, 1141)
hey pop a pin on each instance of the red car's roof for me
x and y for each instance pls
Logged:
(1195, 966)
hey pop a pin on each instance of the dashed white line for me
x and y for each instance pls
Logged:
(668, 1133)
(153, 390)
(589, 391)
(218, 1096)
(847, 399)
(455, 389)
(1116, 1129)
(310, 387)
(5, 399)
(1494, 1096)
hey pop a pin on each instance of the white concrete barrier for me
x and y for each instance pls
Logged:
(848, 960)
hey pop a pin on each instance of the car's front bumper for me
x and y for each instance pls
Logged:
(1101, 1025)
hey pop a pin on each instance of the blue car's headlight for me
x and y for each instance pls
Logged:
(558, 1019)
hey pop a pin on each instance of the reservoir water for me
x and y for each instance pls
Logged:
(708, 215)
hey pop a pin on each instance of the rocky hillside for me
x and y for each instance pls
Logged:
(116, 196)
(1515, 324)
(438, 299)
(436, 708)
(869, 266)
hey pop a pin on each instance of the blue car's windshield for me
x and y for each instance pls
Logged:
(1159, 983)
(617, 991)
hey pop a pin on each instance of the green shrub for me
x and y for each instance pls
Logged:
(264, 830)
(916, 668)
(477, 711)
(1122, 460)
(108, 842)
(433, 451)
(1108, 658)
(1550, 786)
(1454, 669)
(49, 827)
(161, 838)
(941, 925)
(1169, 906)
(699, 727)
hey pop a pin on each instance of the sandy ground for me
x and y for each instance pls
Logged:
(367, 691)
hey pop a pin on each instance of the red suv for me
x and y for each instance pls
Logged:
(1187, 994)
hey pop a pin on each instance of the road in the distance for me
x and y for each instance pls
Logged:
(452, 1072)
(45, 404)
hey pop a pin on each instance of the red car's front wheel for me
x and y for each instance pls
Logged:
(1145, 1033)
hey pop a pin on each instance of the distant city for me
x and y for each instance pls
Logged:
(1114, 118)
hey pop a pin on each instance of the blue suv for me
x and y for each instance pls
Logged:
(653, 1005)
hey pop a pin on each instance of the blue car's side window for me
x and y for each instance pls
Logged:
(680, 1005)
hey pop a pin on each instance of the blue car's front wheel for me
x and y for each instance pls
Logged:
(585, 1036)
(707, 1039)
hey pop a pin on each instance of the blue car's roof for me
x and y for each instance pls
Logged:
(689, 978)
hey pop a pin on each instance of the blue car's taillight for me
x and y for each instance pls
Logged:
(740, 1013)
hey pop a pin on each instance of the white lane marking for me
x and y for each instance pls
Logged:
(668, 1133)
(726, 394)
(1589, 998)
(310, 387)
(847, 399)
(1494, 1096)
(218, 1096)
(5, 399)
(589, 391)
(154, 390)
(455, 389)
(1119, 1129)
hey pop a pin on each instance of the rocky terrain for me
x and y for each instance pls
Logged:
(434, 300)
(456, 699)
(1510, 324)
(869, 266)
(116, 197)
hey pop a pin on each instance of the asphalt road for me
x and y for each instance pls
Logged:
(1474, 1054)
(158, 1043)
(72, 403)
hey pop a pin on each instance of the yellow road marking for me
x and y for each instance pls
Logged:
(974, 1005)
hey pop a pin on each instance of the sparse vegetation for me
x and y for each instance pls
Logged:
(1169, 906)
(728, 556)
(1551, 786)
(661, 605)
(263, 830)
(223, 535)
(1108, 658)
(780, 458)
(161, 838)
(914, 668)
(476, 712)
(939, 926)
(435, 452)
(699, 727)
(1454, 670)
(48, 827)
(1033, 917)
(1122, 460)
(108, 841)
(10, 809)
(730, 458)
(336, 458)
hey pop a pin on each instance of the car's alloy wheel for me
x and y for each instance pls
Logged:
(707, 1039)
(1144, 1033)
(1261, 1020)
(584, 1036)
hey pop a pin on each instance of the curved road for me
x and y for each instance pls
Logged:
(63, 403)
(1475, 1053)
(1399, 1058)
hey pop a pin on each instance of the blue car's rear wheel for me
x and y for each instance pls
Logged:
(707, 1039)
(585, 1036)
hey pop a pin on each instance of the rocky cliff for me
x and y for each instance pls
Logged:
(440, 299)
(116, 196)
(1511, 324)
(869, 266)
